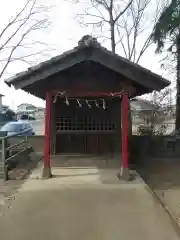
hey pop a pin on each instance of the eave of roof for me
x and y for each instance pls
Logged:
(97, 54)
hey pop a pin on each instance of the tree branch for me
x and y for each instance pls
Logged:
(103, 3)
(121, 41)
(124, 25)
(124, 10)
(14, 19)
(133, 25)
(30, 18)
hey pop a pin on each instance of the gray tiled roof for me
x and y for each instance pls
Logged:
(85, 42)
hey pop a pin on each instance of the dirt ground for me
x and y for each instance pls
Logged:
(163, 177)
(17, 177)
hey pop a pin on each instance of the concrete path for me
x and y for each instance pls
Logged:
(85, 204)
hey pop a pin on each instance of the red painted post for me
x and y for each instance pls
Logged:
(47, 171)
(125, 130)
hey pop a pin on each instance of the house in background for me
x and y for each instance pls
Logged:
(39, 114)
(1, 105)
(141, 110)
(31, 110)
(171, 112)
(26, 108)
(3, 108)
(6, 114)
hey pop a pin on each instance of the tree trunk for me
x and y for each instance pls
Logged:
(113, 44)
(178, 85)
(112, 30)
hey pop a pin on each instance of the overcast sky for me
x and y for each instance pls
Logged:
(63, 35)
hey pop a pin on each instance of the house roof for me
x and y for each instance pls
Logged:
(26, 104)
(41, 108)
(142, 105)
(89, 49)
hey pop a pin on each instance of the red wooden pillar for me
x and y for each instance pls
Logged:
(47, 168)
(124, 173)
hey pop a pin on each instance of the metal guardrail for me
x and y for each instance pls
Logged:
(6, 152)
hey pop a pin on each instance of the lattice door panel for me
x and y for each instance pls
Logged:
(85, 123)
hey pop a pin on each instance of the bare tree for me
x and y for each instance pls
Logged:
(15, 35)
(135, 26)
(102, 14)
(124, 23)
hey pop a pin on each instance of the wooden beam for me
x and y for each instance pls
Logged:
(84, 93)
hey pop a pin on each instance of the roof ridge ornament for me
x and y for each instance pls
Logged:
(87, 41)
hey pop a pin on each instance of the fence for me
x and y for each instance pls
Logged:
(147, 148)
(9, 152)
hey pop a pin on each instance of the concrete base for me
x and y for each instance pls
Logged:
(46, 173)
(124, 174)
